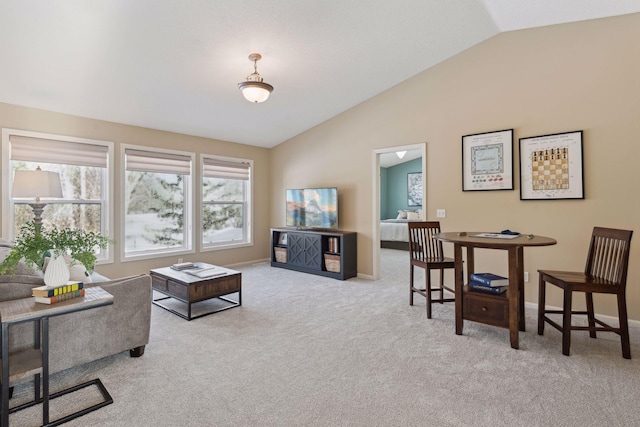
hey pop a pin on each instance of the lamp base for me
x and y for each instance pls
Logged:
(37, 213)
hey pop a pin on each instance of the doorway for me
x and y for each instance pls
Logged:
(377, 156)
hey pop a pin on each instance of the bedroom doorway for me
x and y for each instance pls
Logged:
(382, 157)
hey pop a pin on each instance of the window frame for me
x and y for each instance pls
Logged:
(248, 206)
(189, 247)
(106, 211)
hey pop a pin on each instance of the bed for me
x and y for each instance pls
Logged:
(394, 233)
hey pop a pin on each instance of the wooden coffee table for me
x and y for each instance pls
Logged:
(189, 289)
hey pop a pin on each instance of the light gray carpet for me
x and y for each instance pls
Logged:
(310, 351)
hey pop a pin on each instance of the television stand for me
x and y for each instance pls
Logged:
(330, 253)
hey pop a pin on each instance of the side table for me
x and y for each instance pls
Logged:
(36, 361)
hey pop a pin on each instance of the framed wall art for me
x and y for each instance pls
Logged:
(551, 167)
(487, 161)
(414, 189)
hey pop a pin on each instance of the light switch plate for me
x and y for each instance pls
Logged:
(441, 213)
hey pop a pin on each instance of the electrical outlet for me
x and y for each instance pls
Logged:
(526, 276)
(441, 213)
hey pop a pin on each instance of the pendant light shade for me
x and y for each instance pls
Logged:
(254, 89)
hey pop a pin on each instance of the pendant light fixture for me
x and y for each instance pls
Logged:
(254, 89)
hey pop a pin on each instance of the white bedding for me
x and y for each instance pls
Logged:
(395, 230)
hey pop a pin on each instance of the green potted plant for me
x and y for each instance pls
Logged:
(33, 244)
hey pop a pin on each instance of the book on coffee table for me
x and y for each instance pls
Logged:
(205, 272)
(184, 266)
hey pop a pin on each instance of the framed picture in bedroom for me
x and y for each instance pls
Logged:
(487, 161)
(551, 167)
(414, 189)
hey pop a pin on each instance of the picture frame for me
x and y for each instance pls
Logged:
(552, 167)
(487, 161)
(282, 239)
(414, 189)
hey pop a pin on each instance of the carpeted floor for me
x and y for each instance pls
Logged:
(311, 351)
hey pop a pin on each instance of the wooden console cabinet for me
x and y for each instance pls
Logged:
(325, 253)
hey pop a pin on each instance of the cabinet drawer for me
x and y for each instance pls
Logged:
(176, 289)
(159, 283)
(493, 310)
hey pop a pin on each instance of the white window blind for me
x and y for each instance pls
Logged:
(214, 168)
(151, 161)
(31, 149)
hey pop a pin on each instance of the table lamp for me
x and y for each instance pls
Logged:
(37, 183)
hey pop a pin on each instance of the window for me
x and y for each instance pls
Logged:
(157, 202)
(226, 195)
(83, 166)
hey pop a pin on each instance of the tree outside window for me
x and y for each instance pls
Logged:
(225, 201)
(82, 198)
(156, 201)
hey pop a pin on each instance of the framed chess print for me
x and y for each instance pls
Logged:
(551, 167)
(487, 161)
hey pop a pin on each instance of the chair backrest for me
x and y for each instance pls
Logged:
(422, 246)
(608, 256)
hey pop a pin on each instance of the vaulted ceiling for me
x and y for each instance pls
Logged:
(174, 65)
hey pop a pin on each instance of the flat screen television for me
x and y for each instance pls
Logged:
(312, 208)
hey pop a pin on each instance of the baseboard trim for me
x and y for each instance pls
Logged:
(608, 319)
(252, 262)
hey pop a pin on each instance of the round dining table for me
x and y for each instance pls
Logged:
(506, 310)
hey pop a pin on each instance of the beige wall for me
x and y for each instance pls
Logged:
(15, 117)
(579, 76)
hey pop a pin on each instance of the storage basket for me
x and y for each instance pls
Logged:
(281, 254)
(332, 263)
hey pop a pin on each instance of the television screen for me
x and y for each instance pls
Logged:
(312, 208)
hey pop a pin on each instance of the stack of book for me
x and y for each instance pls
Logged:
(184, 266)
(489, 283)
(53, 294)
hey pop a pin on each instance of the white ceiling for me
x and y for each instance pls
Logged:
(174, 65)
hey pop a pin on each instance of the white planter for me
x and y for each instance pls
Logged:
(57, 272)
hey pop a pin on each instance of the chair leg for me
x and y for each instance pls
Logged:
(566, 322)
(427, 282)
(624, 326)
(411, 284)
(442, 286)
(590, 314)
(541, 301)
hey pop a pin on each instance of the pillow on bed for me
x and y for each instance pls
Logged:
(413, 215)
(402, 214)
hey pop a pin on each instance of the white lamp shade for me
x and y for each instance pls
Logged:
(255, 92)
(38, 183)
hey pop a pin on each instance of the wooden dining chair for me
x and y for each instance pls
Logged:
(426, 252)
(604, 272)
